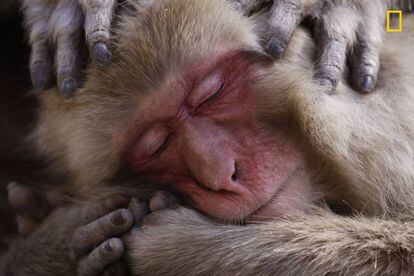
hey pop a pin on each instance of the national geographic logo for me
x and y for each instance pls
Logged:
(396, 10)
(394, 21)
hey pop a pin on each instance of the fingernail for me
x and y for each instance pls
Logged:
(40, 82)
(367, 83)
(109, 247)
(275, 50)
(101, 53)
(118, 218)
(68, 86)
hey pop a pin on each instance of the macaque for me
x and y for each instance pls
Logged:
(287, 175)
(56, 36)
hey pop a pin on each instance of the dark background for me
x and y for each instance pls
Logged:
(16, 115)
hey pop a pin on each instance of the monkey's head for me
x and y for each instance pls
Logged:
(180, 104)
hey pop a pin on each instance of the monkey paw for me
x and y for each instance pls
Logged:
(96, 244)
(353, 28)
(163, 235)
(59, 25)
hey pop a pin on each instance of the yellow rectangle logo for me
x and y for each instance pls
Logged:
(400, 21)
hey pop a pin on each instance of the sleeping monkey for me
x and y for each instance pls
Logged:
(321, 180)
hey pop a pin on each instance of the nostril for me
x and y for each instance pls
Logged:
(235, 174)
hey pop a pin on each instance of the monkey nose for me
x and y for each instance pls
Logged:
(230, 180)
(235, 175)
(223, 178)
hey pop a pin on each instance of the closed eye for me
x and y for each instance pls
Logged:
(162, 147)
(212, 98)
(152, 143)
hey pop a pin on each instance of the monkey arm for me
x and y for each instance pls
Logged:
(182, 242)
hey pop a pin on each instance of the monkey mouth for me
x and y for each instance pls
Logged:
(269, 202)
(292, 195)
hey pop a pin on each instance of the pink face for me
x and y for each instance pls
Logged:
(199, 132)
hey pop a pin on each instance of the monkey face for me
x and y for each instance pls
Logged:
(200, 132)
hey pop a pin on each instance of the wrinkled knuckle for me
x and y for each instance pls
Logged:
(279, 34)
(328, 77)
(100, 34)
(369, 67)
(330, 70)
(370, 58)
(87, 213)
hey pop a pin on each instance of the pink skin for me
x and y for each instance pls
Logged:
(210, 145)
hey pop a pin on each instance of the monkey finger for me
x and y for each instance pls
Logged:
(334, 30)
(284, 19)
(37, 14)
(113, 224)
(364, 58)
(98, 18)
(41, 66)
(107, 206)
(105, 254)
(139, 210)
(67, 20)
(365, 66)
(161, 201)
(27, 202)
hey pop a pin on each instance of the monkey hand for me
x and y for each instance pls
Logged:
(95, 244)
(73, 239)
(163, 234)
(32, 206)
(340, 27)
(57, 25)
